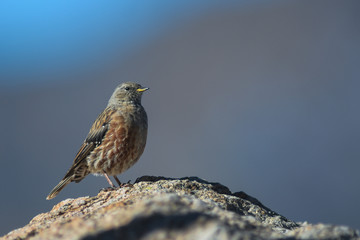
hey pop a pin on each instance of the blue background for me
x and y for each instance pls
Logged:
(261, 96)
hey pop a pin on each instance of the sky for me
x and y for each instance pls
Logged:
(42, 39)
(261, 96)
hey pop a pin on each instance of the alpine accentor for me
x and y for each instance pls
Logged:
(116, 139)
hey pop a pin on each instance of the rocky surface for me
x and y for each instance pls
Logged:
(164, 208)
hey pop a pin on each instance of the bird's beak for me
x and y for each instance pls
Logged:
(142, 89)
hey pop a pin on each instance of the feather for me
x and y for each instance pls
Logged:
(95, 137)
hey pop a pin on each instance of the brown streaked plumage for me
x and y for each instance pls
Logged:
(116, 139)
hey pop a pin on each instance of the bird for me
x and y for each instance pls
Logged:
(115, 141)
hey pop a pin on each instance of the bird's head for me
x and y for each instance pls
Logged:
(128, 92)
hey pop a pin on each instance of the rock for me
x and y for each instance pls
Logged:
(166, 208)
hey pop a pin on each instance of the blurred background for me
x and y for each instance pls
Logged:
(261, 96)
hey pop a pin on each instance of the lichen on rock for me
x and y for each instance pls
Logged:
(167, 208)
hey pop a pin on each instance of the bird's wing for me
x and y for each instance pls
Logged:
(93, 139)
(79, 170)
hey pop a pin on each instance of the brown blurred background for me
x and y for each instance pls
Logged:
(259, 96)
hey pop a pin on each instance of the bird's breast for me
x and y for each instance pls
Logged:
(123, 143)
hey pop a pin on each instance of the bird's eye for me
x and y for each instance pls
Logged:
(127, 88)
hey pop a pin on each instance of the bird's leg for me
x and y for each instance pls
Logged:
(109, 181)
(117, 180)
(128, 184)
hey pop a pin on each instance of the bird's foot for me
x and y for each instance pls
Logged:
(128, 184)
(108, 189)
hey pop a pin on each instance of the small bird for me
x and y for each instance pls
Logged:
(116, 139)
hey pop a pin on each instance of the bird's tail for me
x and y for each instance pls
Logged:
(59, 187)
